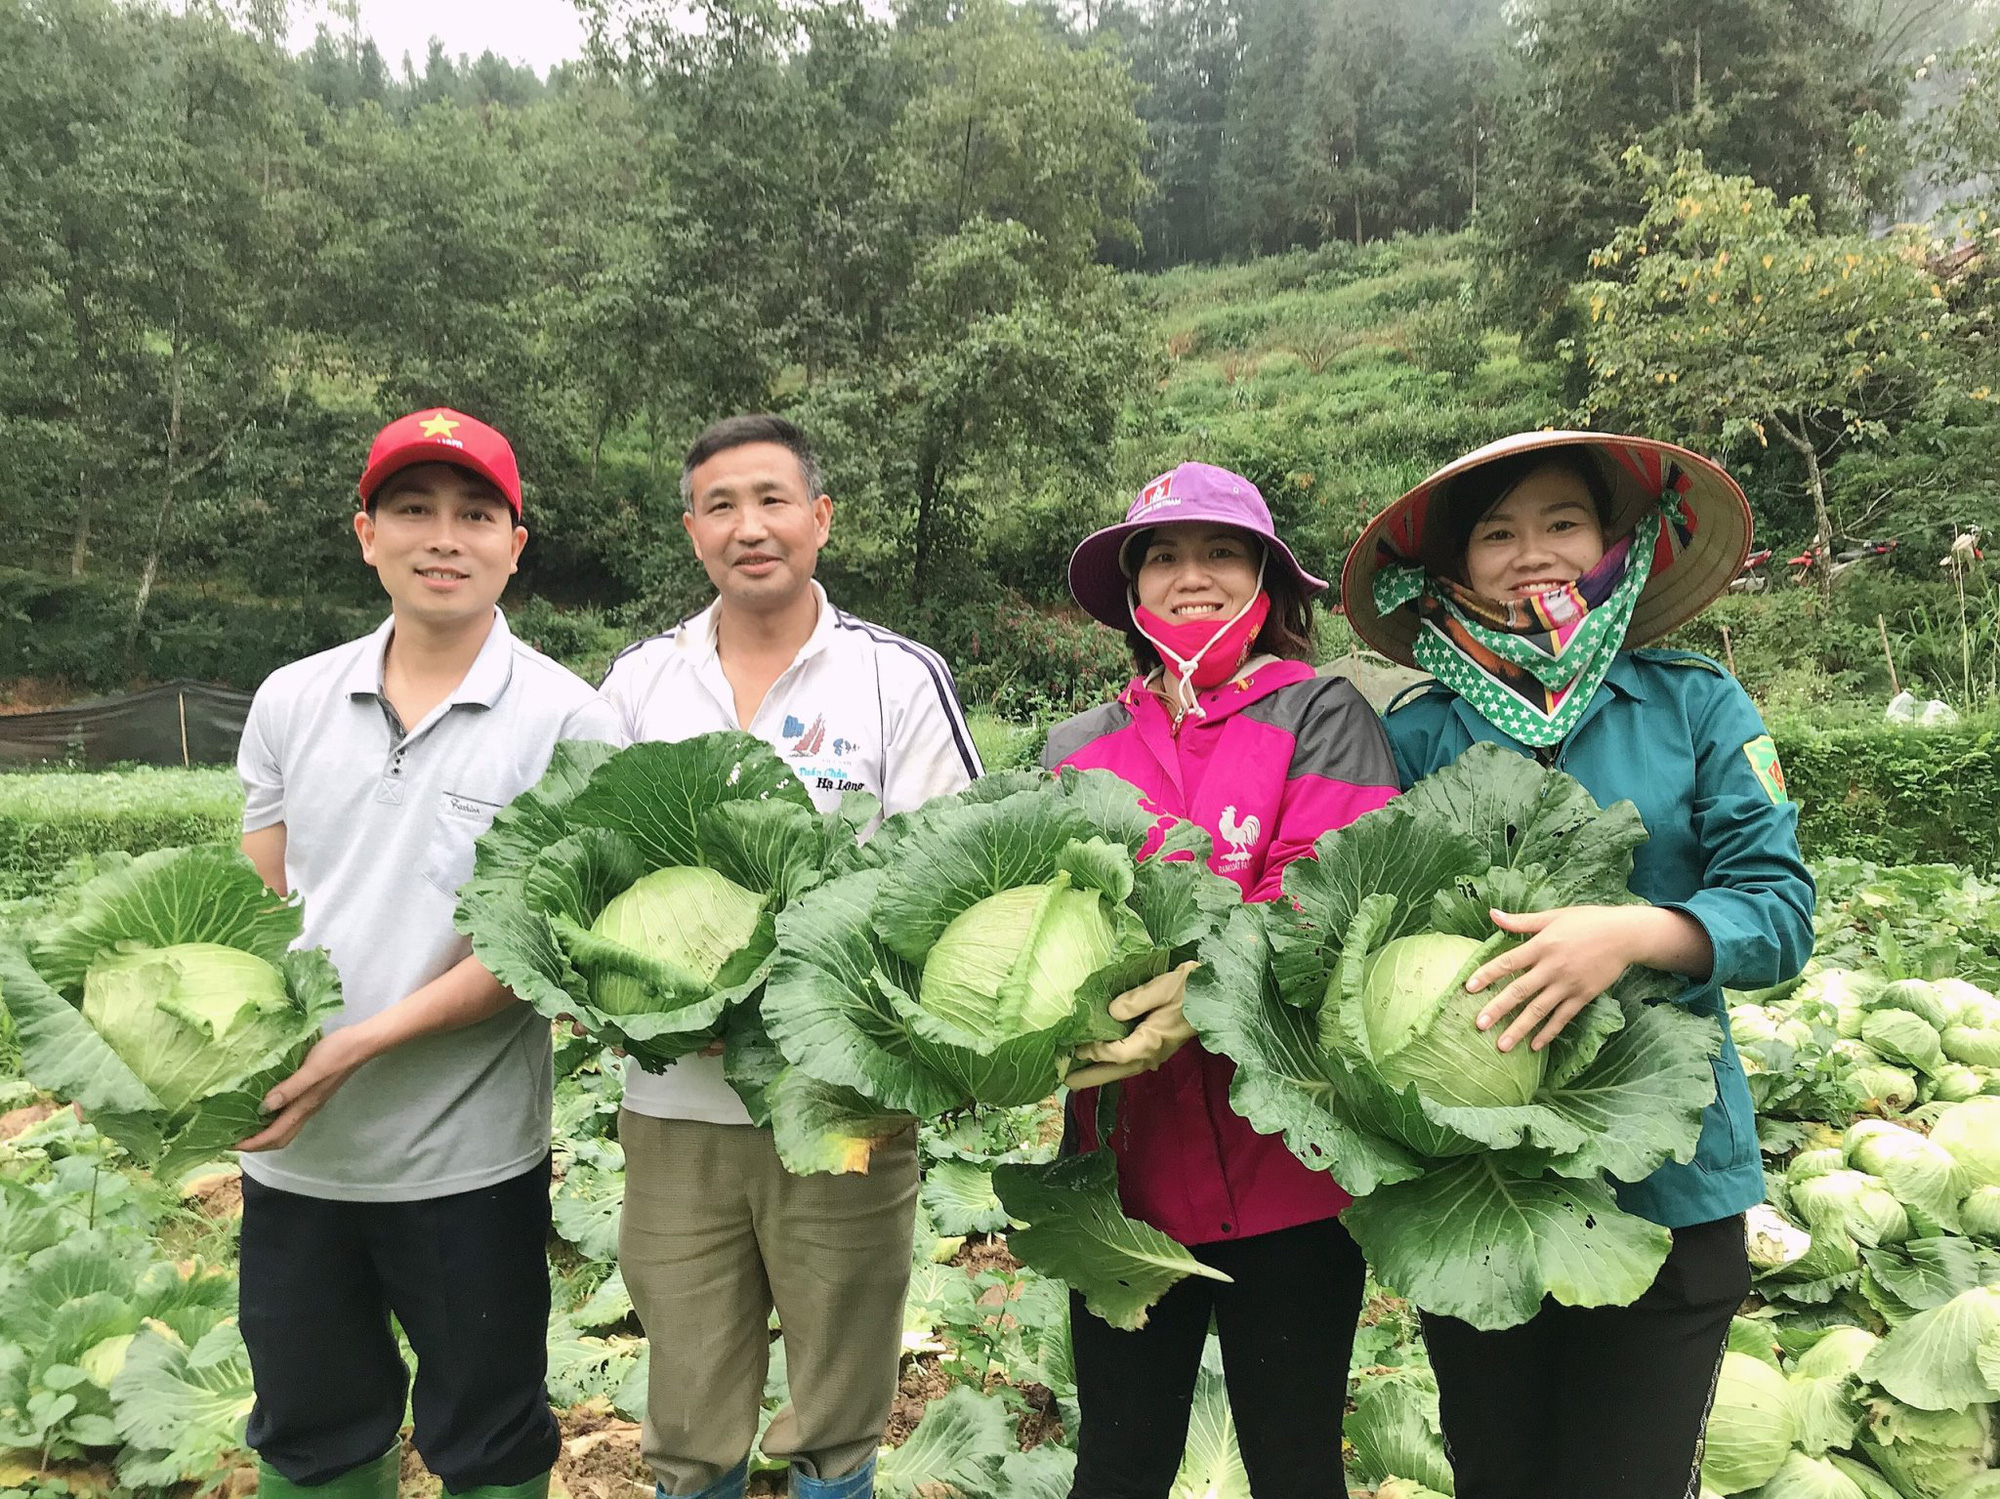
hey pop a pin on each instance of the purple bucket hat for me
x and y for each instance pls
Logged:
(1192, 492)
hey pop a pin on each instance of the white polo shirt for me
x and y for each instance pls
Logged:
(379, 828)
(859, 709)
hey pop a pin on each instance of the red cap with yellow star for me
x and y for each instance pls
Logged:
(441, 435)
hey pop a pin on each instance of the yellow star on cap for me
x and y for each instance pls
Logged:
(439, 426)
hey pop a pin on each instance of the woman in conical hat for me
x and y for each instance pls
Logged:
(1526, 578)
(1227, 725)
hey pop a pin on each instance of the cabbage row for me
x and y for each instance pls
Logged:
(1867, 1364)
(667, 895)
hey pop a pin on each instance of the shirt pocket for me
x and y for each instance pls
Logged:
(1727, 1143)
(460, 819)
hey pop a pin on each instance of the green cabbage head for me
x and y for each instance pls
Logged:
(183, 1017)
(1921, 1173)
(1838, 1354)
(1956, 1084)
(688, 918)
(1973, 1045)
(1979, 1214)
(634, 892)
(1483, 1180)
(1014, 961)
(1927, 1454)
(1854, 1203)
(1421, 1027)
(1970, 1133)
(1753, 1425)
(958, 962)
(1890, 1088)
(1904, 1036)
(978, 941)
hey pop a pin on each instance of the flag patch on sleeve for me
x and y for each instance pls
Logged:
(1763, 757)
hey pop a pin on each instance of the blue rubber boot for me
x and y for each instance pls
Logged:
(860, 1484)
(728, 1486)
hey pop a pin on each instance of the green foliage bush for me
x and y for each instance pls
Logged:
(1887, 794)
(48, 821)
(73, 630)
(1896, 795)
(1798, 657)
(582, 639)
(1029, 665)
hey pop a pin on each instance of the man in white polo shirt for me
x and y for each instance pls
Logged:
(404, 1167)
(715, 1232)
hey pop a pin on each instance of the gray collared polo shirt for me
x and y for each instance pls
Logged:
(379, 827)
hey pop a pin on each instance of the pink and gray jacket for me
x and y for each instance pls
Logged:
(1281, 757)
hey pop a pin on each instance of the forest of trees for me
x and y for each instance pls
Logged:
(930, 234)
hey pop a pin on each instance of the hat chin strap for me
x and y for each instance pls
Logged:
(1184, 666)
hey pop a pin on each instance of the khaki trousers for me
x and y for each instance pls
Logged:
(714, 1234)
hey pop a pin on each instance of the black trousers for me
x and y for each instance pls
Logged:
(1287, 1329)
(467, 1276)
(1594, 1402)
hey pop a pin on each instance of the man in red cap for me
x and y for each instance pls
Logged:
(404, 1167)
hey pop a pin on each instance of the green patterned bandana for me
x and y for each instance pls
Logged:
(1529, 666)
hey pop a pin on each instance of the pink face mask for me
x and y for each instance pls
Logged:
(1198, 651)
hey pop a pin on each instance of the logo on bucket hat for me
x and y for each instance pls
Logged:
(1155, 496)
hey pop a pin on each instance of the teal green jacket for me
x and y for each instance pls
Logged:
(1673, 733)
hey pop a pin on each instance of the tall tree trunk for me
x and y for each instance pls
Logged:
(964, 178)
(930, 486)
(1474, 210)
(1800, 441)
(83, 330)
(1354, 144)
(176, 396)
(79, 545)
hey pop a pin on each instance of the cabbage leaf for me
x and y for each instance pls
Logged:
(169, 1001)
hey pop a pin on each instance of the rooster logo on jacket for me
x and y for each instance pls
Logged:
(1241, 836)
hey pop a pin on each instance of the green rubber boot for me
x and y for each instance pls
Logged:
(376, 1480)
(531, 1488)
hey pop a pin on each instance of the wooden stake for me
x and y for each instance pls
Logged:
(1728, 651)
(1882, 625)
(180, 701)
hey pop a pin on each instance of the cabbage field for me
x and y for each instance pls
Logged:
(1866, 1364)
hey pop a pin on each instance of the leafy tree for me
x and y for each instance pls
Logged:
(220, 149)
(994, 382)
(1008, 124)
(70, 84)
(1357, 118)
(1767, 88)
(1184, 55)
(1727, 314)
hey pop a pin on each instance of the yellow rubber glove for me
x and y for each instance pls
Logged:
(1162, 1030)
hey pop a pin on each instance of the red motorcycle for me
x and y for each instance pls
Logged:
(1802, 566)
(1751, 577)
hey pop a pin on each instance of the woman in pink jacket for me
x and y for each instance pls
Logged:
(1228, 726)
